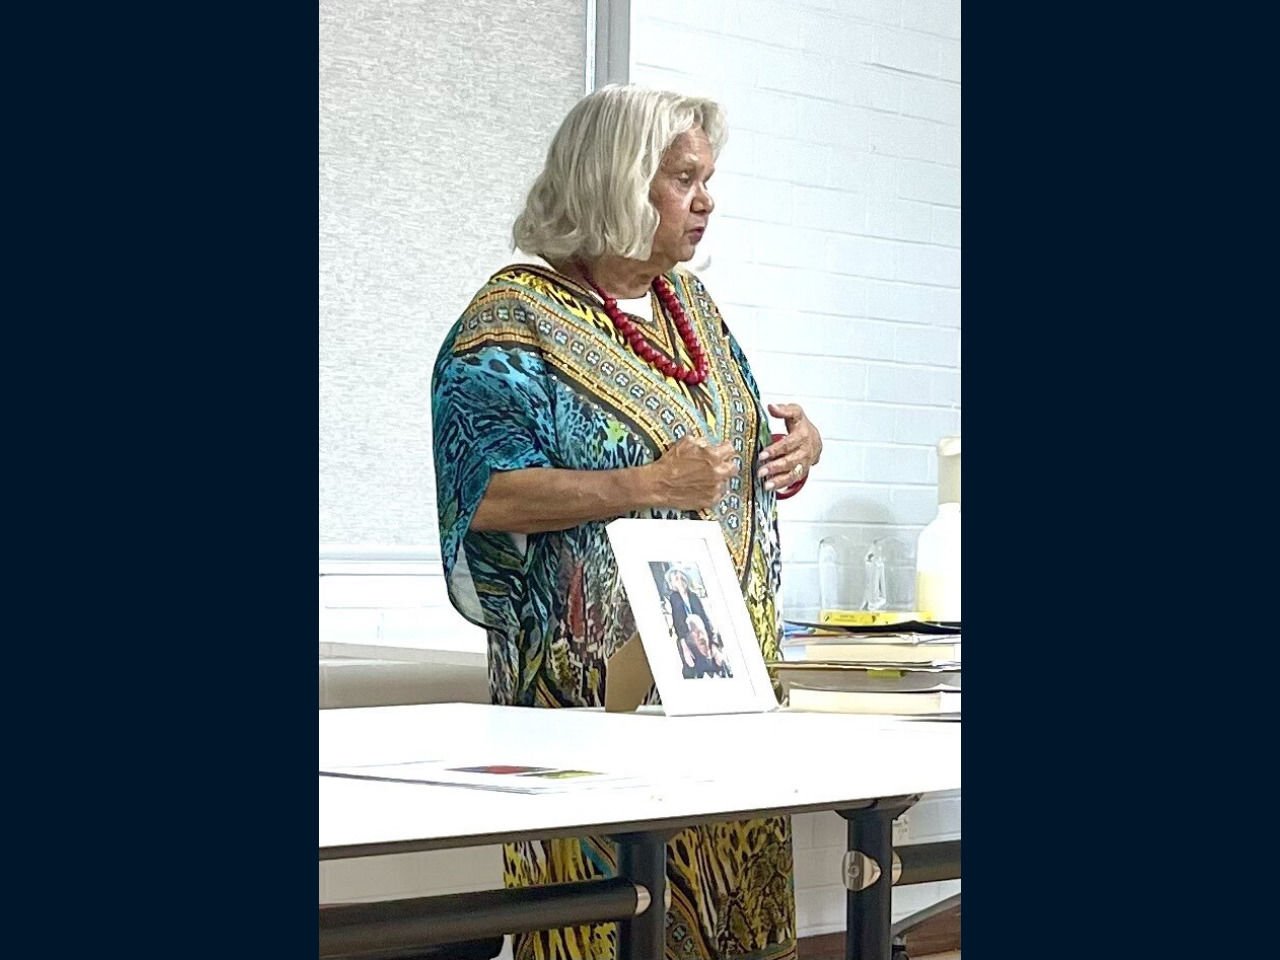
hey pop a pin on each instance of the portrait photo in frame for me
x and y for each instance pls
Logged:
(691, 616)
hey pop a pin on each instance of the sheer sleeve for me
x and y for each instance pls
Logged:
(491, 412)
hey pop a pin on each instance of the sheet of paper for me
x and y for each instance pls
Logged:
(510, 777)
(507, 777)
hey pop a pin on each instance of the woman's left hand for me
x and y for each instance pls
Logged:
(787, 461)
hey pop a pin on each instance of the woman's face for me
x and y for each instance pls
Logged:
(679, 192)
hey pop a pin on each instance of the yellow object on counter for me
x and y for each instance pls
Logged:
(869, 618)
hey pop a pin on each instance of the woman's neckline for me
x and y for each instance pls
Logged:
(640, 306)
(583, 285)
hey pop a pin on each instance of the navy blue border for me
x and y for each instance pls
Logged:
(1065, 457)
(205, 479)
(161, 353)
(266, 327)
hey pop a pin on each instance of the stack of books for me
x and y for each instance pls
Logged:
(909, 668)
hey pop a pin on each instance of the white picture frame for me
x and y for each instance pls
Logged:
(718, 668)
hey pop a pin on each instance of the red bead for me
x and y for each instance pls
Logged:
(645, 350)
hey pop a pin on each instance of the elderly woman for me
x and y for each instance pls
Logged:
(600, 381)
(707, 660)
(683, 602)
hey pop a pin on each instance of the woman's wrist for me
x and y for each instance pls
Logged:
(641, 486)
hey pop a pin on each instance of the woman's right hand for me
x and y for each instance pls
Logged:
(693, 474)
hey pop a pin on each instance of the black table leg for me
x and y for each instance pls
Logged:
(642, 859)
(869, 879)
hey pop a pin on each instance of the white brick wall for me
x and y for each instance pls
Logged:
(835, 248)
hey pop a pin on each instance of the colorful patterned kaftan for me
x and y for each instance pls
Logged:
(534, 375)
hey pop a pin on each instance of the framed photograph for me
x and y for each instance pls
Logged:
(691, 616)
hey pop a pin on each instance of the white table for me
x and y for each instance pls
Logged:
(762, 764)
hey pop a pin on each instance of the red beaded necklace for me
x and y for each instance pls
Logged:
(646, 350)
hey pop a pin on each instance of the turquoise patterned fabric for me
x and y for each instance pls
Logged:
(534, 375)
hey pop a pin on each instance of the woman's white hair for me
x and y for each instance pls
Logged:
(592, 197)
(673, 574)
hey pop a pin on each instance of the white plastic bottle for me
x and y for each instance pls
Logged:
(938, 549)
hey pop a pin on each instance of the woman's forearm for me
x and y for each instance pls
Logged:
(540, 499)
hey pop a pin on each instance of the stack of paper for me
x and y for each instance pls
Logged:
(905, 668)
